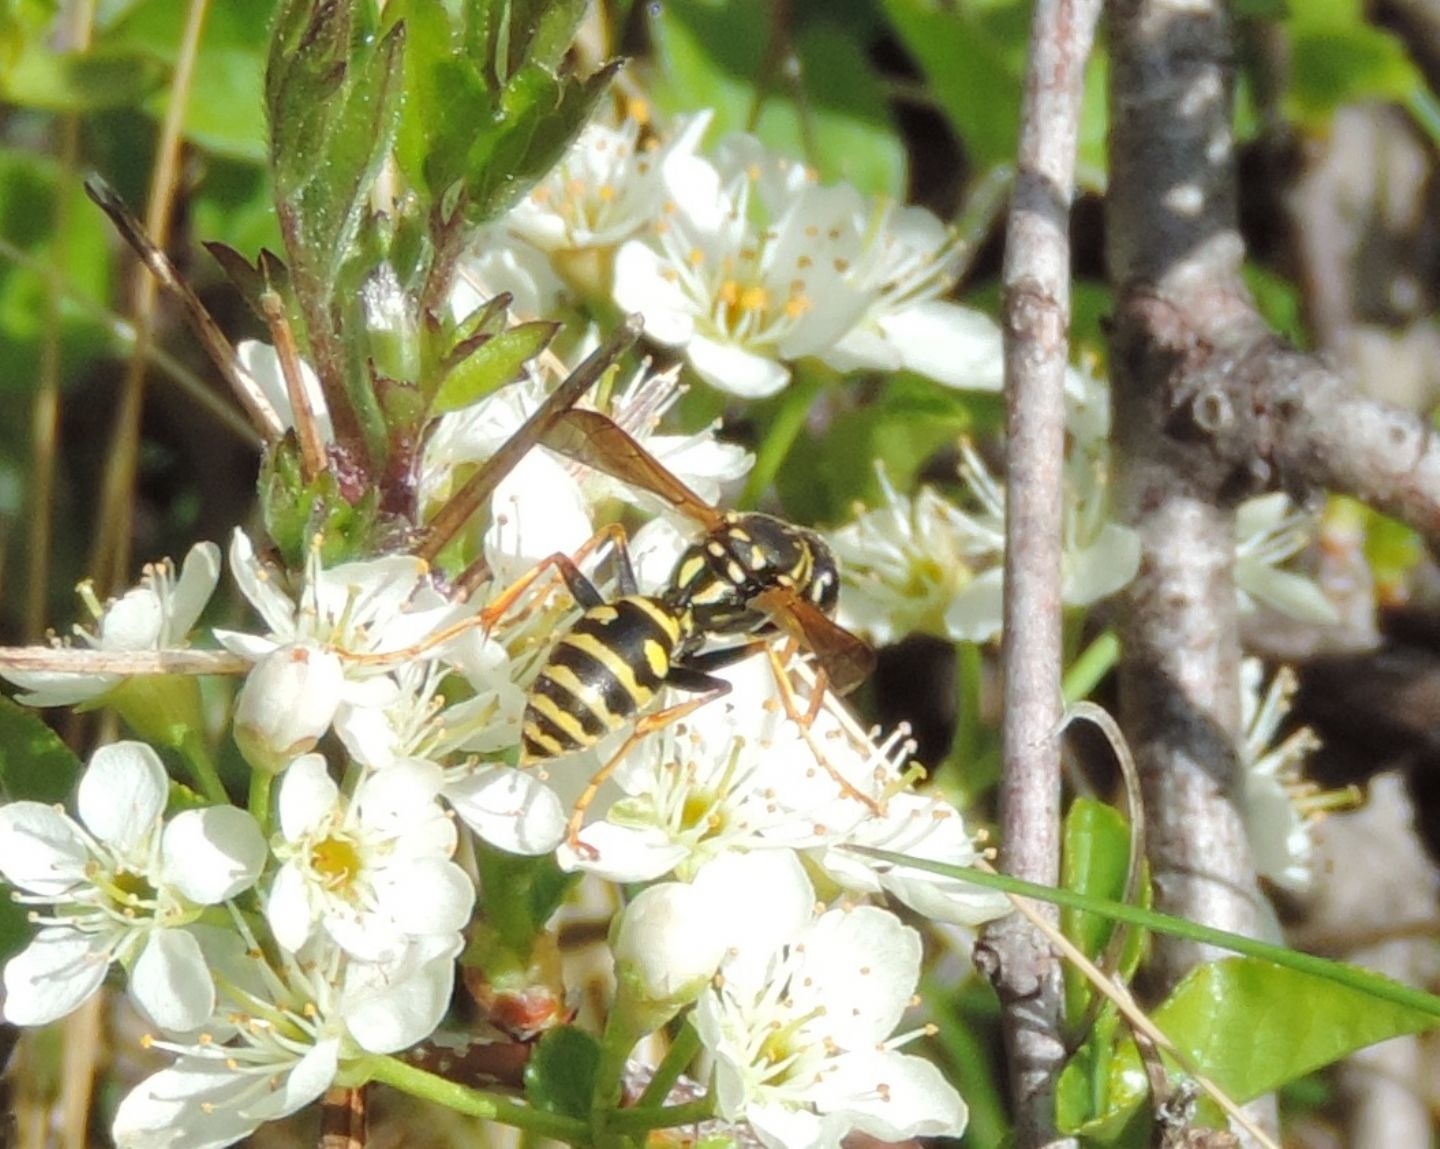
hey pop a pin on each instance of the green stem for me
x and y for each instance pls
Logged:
(621, 1033)
(259, 801)
(643, 1120)
(1093, 664)
(474, 1102)
(784, 429)
(1352, 977)
(681, 1053)
(202, 767)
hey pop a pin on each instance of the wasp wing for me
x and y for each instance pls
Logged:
(846, 659)
(598, 441)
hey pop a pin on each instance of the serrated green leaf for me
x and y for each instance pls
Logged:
(496, 362)
(713, 53)
(560, 1075)
(540, 116)
(1251, 1026)
(35, 764)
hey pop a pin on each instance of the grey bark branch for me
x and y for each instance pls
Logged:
(1175, 257)
(1025, 972)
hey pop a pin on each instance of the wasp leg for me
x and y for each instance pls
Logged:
(713, 688)
(806, 720)
(497, 610)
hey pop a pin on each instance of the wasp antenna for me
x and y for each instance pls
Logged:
(202, 323)
(457, 510)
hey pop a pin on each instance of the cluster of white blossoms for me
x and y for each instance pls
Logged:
(275, 950)
(740, 260)
(924, 563)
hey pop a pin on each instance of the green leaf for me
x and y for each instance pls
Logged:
(75, 82)
(973, 58)
(1095, 860)
(1251, 1026)
(713, 53)
(34, 763)
(224, 110)
(540, 116)
(498, 360)
(1339, 57)
(902, 426)
(560, 1075)
(29, 195)
(520, 894)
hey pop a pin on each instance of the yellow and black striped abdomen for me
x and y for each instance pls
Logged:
(608, 666)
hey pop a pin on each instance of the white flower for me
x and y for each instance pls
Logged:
(1276, 804)
(920, 564)
(802, 1042)
(121, 885)
(743, 296)
(470, 436)
(359, 613)
(668, 943)
(736, 776)
(288, 701)
(605, 189)
(923, 564)
(374, 871)
(512, 809)
(925, 827)
(261, 362)
(281, 1037)
(1269, 531)
(156, 615)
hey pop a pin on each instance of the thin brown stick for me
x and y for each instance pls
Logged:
(312, 446)
(1019, 960)
(68, 660)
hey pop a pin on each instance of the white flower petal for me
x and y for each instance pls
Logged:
(198, 578)
(642, 284)
(393, 1012)
(736, 371)
(511, 809)
(308, 796)
(41, 850)
(171, 981)
(122, 794)
(54, 975)
(288, 908)
(425, 896)
(915, 1101)
(210, 855)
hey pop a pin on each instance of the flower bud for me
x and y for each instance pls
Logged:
(668, 945)
(286, 704)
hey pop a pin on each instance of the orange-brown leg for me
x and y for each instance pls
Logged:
(647, 725)
(806, 720)
(490, 615)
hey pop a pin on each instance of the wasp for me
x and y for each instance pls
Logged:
(747, 574)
